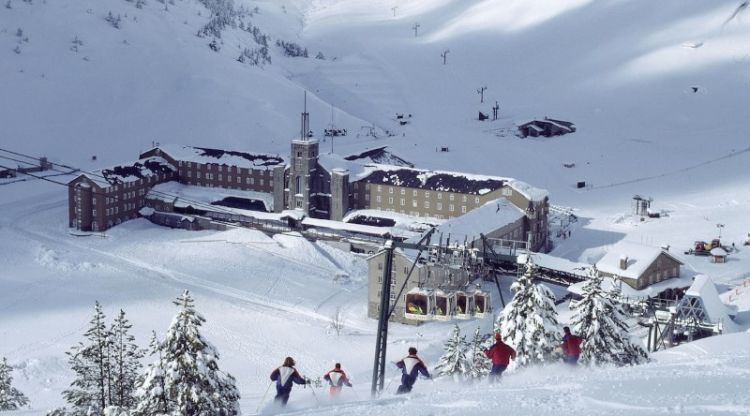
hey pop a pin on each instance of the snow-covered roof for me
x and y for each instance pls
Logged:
(489, 217)
(140, 169)
(221, 157)
(404, 221)
(718, 251)
(379, 155)
(188, 195)
(434, 180)
(716, 310)
(556, 263)
(356, 228)
(639, 258)
(608, 283)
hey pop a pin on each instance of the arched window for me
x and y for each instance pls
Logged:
(298, 185)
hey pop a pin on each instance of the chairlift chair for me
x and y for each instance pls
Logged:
(464, 305)
(419, 304)
(444, 306)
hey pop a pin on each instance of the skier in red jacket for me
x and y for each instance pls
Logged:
(500, 354)
(571, 347)
(336, 378)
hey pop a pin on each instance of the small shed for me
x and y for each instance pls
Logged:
(718, 255)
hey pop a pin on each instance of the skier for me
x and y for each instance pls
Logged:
(411, 366)
(337, 378)
(500, 354)
(284, 376)
(571, 347)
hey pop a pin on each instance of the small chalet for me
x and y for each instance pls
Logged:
(547, 128)
(638, 265)
(718, 255)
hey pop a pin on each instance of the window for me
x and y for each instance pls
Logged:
(414, 204)
(427, 204)
(220, 176)
(189, 174)
(414, 193)
(390, 189)
(251, 181)
(406, 270)
(507, 191)
(403, 202)
(298, 185)
(439, 206)
(440, 195)
(451, 208)
(367, 197)
(476, 199)
(377, 198)
(427, 194)
(463, 198)
(450, 197)
(463, 209)
(299, 154)
(380, 188)
(403, 191)
(261, 181)
(390, 200)
(239, 180)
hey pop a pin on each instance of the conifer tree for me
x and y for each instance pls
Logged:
(152, 399)
(529, 322)
(91, 389)
(454, 362)
(600, 321)
(479, 364)
(125, 360)
(10, 397)
(193, 383)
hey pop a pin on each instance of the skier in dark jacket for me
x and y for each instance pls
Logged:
(571, 347)
(336, 378)
(284, 376)
(410, 366)
(500, 354)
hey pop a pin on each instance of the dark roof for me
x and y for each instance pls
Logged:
(434, 181)
(141, 169)
(382, 156)
(264, 159)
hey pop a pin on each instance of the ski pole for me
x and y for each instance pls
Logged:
(315, 395)
(262, 399)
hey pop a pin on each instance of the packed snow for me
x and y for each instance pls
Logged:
(658, 99)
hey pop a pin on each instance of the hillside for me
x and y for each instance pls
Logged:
(658, 98)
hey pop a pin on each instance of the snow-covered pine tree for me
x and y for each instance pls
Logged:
(90, 391)
(193, 382)
(600, 321)
(151, 395)
(529, 322)
(10, 397)
(479, 364)
(125, 361)
(454, 362)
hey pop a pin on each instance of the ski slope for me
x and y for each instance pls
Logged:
(658, 98)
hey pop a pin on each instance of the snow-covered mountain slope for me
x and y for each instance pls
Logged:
(658, 93)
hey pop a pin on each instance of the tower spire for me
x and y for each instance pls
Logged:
(305, 128)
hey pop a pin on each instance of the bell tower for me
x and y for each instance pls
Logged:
(304, 162)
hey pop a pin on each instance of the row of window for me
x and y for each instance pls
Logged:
(415, 193)
(221, 168)
(236, 179)
(415, 204)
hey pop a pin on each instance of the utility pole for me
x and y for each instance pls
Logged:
(416, 29)
(444, 55)
(480, 91)
(719, 226)
(394, 10)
